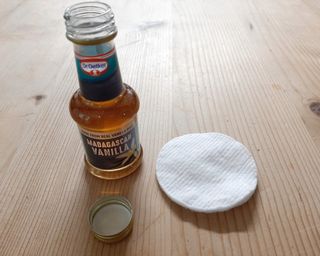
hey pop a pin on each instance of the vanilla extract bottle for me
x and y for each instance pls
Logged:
(104, 108)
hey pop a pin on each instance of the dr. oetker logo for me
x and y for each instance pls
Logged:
(94, 67)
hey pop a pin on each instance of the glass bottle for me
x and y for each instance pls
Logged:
(104, 108)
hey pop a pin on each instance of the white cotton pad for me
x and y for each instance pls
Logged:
(206, 172)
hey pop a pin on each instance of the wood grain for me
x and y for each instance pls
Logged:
(249, 69)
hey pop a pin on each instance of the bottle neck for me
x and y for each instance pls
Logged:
(98, 71)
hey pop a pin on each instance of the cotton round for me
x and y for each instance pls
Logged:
(206, 172)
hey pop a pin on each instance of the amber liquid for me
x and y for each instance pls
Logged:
(107, 116)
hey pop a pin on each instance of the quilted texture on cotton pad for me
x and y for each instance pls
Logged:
(206, 172)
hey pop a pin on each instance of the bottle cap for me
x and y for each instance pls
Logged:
(111, 218)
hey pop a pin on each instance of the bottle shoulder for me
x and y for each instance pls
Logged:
(104, 115)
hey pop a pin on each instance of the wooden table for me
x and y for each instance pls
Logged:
(249, 69)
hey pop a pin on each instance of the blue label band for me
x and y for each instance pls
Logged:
(98, 67)
(99, 74)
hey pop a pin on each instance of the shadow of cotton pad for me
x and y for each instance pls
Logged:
(206, 172)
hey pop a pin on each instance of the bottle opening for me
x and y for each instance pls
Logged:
(89, 21)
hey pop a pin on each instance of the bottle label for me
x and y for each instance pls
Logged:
(112, 150)
(98, 67)
(98, 71)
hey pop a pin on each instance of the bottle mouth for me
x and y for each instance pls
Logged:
(89, 21)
